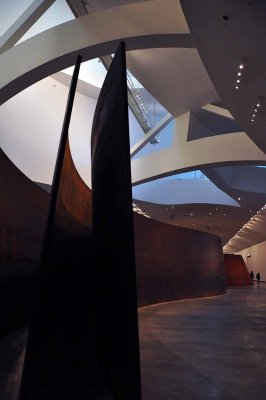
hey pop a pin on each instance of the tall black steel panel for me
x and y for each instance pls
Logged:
(114, 236)
(61, 358)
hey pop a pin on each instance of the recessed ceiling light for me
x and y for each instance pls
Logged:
(237, 87)
(255, 110)
(238, 81)
(239, 73)
(252, 120)
(258, 104)
(239, 198)
(241, 66)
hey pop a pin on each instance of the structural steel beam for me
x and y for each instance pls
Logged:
(150, 135)
(24, 23)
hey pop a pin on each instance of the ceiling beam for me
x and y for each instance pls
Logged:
(183, 156)
(24, 23)
(151, 134)
(218, 110)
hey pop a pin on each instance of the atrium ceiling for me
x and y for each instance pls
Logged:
(191, 75)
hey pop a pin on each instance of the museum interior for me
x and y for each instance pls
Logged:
(133, 201)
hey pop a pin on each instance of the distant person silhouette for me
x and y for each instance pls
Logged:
(251, 274)
(258, 277)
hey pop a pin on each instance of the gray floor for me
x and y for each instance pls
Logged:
(12, 350)
(211, 348)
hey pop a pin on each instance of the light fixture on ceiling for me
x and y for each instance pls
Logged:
(139, 211)
(255, 111)
(247, 224)
(240, 69)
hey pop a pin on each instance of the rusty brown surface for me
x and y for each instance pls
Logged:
(176, 263)
(73, 210)
(23, 209)
(172, 262)
(236, 271)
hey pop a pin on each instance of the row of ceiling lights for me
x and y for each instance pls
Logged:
(210, 212)
(247, 224)
(239, 75)
(139, 211)
(194, 225)
(255, 111)
(240, 71)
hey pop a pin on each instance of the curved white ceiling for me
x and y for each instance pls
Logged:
(231, 33)
(154, 24)
(176, 191)
(174, 75)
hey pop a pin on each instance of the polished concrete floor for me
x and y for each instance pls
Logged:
(211, 348)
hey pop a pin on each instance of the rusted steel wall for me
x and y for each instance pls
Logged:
(23, 210)
(176, 263)
(236, 271)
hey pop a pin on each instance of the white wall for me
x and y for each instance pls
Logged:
(257, 261)
(31, 124)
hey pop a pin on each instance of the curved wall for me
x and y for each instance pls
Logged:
(176, 263)
(172, 262)
(23, 209)
(236, 271)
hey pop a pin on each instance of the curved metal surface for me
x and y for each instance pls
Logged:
(176, 263)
